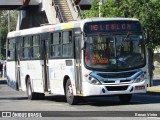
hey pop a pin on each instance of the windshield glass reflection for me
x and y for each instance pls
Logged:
(113, 52)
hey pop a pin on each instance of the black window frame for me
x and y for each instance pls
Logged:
(52, 44)
(32, 46)
(9, 50)
(29, 47)
(70, 42)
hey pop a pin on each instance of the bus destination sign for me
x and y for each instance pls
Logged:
(114, 26)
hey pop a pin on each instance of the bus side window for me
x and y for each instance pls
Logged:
(55, 45)
(67, 44)
(35, 48)
(26, 47)
(11, 49)
(8, 50)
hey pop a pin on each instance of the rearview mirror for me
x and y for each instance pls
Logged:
(8, 54)
(83, 44)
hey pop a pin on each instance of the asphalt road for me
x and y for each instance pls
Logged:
(88, 108)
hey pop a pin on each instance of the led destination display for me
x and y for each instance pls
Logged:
(113, 26)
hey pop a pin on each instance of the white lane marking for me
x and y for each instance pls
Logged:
(157, 118)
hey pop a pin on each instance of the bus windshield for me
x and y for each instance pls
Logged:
(119, 52)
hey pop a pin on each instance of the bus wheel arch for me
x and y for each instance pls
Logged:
(64, 83)
(30, 92)
(26, 79)
(29, 89)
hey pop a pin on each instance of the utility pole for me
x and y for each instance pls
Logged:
(9, 25)
(100, 6)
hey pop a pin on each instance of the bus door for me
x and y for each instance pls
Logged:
(78, 72)
(18, 45)
(45, 67)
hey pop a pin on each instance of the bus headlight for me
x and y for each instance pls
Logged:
(139, 79)
(94, 81)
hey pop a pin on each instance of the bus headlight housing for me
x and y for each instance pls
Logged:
(139, 79)
(93, 81)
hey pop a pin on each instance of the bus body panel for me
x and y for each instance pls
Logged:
(37, 85)
(12, 82)
(33, 69)
(57, 71)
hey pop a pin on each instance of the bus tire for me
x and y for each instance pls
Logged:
(32, 95)
(126, 98)
(71, 99)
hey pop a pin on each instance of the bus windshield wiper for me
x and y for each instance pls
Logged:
(124, 39)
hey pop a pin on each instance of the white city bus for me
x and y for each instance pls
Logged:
(91, 57)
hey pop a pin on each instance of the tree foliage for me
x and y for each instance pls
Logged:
(147, 11)
(4, 28)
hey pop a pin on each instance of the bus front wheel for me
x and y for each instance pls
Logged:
(126, 98)
(71, 99)
(32, 95)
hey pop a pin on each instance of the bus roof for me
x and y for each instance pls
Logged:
(62, 26)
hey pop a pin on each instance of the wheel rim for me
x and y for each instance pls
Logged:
(29, 90)
(69, 92)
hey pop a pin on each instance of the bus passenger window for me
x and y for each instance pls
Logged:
(56, 45)
(67, 44)
(35, 46)
(26, 47)
(11, 49)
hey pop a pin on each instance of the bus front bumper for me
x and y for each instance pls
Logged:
(116, 89)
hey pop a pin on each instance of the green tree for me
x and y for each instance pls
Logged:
(4, 28)
(94, 11)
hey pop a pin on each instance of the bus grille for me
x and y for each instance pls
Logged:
(121, 81)
(117, 75)
(117, 88)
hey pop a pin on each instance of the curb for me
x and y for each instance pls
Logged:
(153, 93)
(154, 90)
(1, 78)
